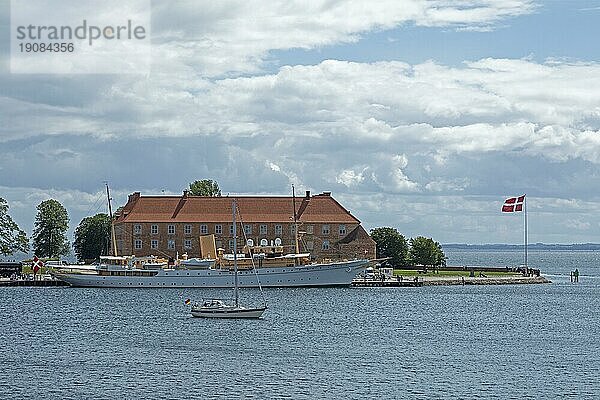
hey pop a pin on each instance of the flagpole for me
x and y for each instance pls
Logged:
(525, 205)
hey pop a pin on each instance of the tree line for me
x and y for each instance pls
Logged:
(402, 253)
(49, 232)
(49, 237)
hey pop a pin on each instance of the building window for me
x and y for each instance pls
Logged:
(325, 245)
(188, 243)
(219, 244)
(171, 244)
(342, 229)
(204, 229)
(310, 245)
(171, 229)
(154, 229)
(218, 229)
(137, 229)
(310, 229)
(154, 244)
(325, 229)
(231, 244)
(278, 229)
(263, 229)
(248, 229)
(293, 229)
(231, 229)
(187, 229)
(138, 244)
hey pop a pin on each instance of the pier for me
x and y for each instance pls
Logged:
(31, 282)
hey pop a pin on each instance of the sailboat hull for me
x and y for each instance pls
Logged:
(229, 313)
(324, 274)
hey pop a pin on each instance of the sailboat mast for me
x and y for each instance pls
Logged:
(112, 225)
(235, 266)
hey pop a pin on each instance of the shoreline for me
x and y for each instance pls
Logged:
(451, 281)
(509, 280)
(416, 281)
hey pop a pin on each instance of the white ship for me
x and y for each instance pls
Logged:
(119, 272)
(265, 263)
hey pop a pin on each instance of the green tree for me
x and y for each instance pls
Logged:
(425, 251)
(12, 238)
(390, 243)
(92, 237)
(50, 228)
(205, 187)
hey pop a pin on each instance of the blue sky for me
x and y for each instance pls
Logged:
(421, 115)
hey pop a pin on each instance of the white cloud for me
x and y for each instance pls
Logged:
(24, 200)
(336, 123)
(443, 185)
(401, 182)
(350, 178)
(577, 224)
(216, 38)
(274, 167)
(391, 139)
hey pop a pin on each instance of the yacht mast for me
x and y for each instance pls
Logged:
(235, 266)
(112, 225)
(295, 223)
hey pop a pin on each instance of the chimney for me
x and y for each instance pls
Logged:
(308, 194)
(326, 193)
(133, 197)
(186, 193)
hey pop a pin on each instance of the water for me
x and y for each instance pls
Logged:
(471, 342)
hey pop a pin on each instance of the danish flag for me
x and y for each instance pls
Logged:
(513, 204)
(37, 264)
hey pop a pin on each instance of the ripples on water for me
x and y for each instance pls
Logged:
(529, 341)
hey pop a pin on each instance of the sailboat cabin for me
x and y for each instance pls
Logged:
(174, 225)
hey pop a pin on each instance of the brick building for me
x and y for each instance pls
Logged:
(171, 225)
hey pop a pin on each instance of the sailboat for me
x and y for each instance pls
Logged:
(217, 308)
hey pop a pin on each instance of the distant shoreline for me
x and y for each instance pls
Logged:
(535, 246)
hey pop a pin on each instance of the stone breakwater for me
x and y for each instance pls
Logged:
(449, 280)
(505, 280)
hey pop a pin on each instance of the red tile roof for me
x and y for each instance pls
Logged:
(321, 208)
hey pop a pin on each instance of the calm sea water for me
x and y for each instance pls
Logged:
(470, 342)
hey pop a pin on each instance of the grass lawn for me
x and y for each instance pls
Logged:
(28, 270)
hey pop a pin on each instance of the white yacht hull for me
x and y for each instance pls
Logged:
(325, 274)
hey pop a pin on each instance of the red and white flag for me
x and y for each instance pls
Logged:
(513, 204)
(37, 264)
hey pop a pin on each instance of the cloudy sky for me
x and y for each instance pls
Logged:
(421, 115)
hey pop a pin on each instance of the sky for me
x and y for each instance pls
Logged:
(420, 115)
